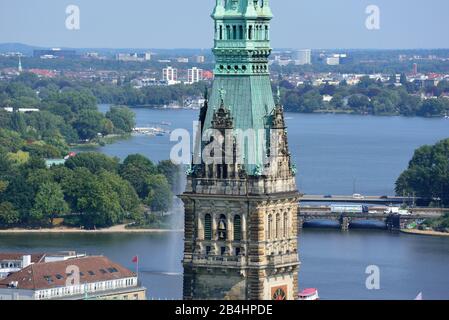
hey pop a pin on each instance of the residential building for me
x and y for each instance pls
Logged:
(54, 53)
(170, 75)
(302, 57)
(194, 75)
(200, 59)
(87, 277)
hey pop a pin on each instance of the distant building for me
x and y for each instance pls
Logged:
(333, 61)
(194, 75)
(133, 57)
(415, 68)
(302, 57)
(72, 278)
(170, 75)
(54, 53)
(21, 110)
(147, 82)
(200, 59)
(208, 75)
(183, 60)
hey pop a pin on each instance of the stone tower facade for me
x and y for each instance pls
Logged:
(241, 199)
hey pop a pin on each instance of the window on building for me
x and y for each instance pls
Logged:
(250, 33)
(278, 226)
(270, 227)
(285, 225)
(237, 228)
(59, 277)
(91, 273)
(237, 251)
(208, 227)
(222, 228)
(222, 250)
(208, 250)
(103, 271)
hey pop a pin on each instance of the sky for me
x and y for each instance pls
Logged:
(315, 24)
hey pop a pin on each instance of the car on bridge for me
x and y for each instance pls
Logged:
(358, 196)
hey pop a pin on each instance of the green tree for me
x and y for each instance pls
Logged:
(159, 196)
(89, 124)
(49, 204)
(137, 169)
(93, 161)
(122, 118)
(428, 173)
(172, 172)
(8, 215)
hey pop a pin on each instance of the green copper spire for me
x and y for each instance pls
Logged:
(242, 48)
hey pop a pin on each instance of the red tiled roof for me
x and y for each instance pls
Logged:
(35, 257)
(37, 276)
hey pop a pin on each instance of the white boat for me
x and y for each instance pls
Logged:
(309, 294)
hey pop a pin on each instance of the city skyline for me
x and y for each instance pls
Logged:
(322, 24)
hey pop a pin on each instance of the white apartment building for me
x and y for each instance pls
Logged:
(170, 75)
(194, 75)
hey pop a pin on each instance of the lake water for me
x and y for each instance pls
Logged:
(331, 151)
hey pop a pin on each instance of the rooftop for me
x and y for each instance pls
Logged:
(50, 275)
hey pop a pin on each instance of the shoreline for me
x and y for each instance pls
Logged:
(111, 230)
(429, 233)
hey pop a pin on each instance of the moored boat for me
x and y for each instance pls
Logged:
(309, 294)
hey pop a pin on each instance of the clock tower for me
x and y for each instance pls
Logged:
(241, 199)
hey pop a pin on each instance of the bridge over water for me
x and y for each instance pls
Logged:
(392, 221)
(386, 200)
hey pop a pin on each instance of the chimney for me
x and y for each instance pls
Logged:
(26, 261)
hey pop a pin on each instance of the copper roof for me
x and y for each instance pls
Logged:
(35, 257)
(50, 275)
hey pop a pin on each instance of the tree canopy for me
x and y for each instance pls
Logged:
(427, 175)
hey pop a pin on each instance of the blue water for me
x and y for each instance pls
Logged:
(331, 151)
(334, 153)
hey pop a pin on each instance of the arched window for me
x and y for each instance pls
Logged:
(208, 227)
(234, 32)
(278, 226)
(266, 33)
(240, 32)
(250, 33)
(222, 228)
(285, 225)
(237, 228)
(228, 33)
(221, 32)
(270, 227)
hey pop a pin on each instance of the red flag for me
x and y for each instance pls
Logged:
(136, 259)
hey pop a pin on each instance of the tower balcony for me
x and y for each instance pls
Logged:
(284, 260)
(240, 187)
(219, 261)
(242, 44)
